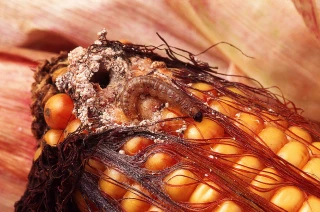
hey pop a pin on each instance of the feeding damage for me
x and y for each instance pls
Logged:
(121, 128)
(105, 79)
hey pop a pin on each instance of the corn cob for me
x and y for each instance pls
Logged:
(184, 139)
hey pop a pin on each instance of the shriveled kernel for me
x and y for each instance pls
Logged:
(53, 137)
(172, 125)
(111, 183)
(37, 153)
(236, 90)
(59, 72)
(248, 167)
(265, 182)
(52, 91)
(210, 91)
(224, 105)
(58, 111)
(159, 161)
(314, 149)
(205, 192)
(94, 166)
(295, 153)
(71, 127)
(81, 203)
(148, 107)
(289, 198)
(119, 117)
(312, 204)
(180, 184)
(133, 201)
(228, 206)
(313, 168)
(274, 138)
(249, 123)
(124, 41)
(227, 147)
(136, 144)
(207, 129)
(274, 121)
(295, 133)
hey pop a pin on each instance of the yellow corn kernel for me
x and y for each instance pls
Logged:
(224, 105)
(134, 201)
(110, 183)
(53, 137)
(312, 204)
(313, 168)
(295, 153)
(207, 129)
(314, 149)
(227, 147)
(249, 123)
(136, 144)
(289, 198)
(274, 138)
(227, 206)
(180, 184)
(94, 166)
(154, 209)
(37, 153)
(204, 193)
(159, 161)
(267, 180)
(295, 133)
(248, 167)
(275, 121)
(203, 87)
(173, 125)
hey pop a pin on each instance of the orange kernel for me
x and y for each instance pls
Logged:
(111, 183)
(136, 144)
(208, 90)
(180, 184)
(71, 127)
(295, 133)
(53, 137)
(58, 111)
(159, 161)
(224, 105)
(249, 123)
(273, 137)
(207, 129)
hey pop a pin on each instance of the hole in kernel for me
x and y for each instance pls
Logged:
(102, 77)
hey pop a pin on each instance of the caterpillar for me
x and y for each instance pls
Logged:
(159, 89)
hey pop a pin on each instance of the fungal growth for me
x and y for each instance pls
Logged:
(122, 128)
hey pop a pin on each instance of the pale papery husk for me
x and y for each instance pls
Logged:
(74, 157)
(27, 24)
(16, 140)
(310, 12)
(296, 58)
(285, 51)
